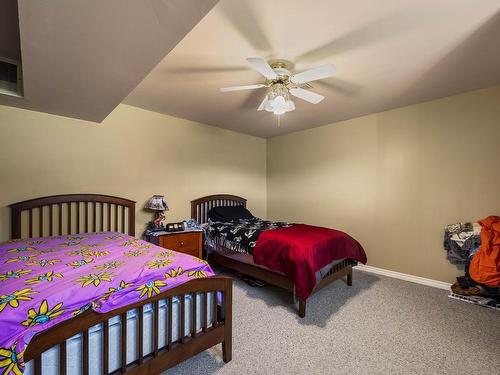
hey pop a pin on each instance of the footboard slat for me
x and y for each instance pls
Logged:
(62, 358)
(155, 328)
(205, 312)
(85, 357)
(227, 344)
(182, 319)
(123, 343)
(38, 366)
(214, 311)
(195, 315)
(105, 348)
(169, 329)
(140, 333)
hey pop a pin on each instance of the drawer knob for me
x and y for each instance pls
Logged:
(182, 243)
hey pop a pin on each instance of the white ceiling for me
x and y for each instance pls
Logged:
(388, 54)
(82, 58)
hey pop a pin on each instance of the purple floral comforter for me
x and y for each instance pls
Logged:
(44, 281)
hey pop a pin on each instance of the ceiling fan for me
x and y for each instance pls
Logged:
(282, 83)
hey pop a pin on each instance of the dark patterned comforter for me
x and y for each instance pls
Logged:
(240, 234)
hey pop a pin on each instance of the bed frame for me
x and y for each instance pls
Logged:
(199, 211)
(76, 213)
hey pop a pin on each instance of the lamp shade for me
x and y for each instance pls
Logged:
(157, 203)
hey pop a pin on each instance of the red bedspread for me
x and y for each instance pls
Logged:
(299, 251)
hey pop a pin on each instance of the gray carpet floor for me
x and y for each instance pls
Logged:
(379, 325)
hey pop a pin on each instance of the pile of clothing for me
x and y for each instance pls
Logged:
(462, 241)
(477, 247)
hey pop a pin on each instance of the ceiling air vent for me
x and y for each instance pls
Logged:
(10, 78)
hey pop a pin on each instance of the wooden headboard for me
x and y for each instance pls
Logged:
(70, 214)
(201, 206)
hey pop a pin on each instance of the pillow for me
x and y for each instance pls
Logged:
(228, 213)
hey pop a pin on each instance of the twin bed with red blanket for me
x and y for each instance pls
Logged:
(300, 258)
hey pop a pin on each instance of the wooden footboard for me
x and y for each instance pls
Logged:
(161, 358)
(339, 270)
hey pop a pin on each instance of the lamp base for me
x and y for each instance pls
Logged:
(159, 218)
(157, 221)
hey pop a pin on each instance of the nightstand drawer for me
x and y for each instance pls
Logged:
(188, 243)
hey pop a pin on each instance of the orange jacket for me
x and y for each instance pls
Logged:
(485, 265)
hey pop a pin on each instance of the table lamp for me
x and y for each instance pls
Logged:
(158, 204)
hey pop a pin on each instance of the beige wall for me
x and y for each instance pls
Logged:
(133, 154)
(394, 179)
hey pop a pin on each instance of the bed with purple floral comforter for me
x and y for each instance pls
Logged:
(44, 281)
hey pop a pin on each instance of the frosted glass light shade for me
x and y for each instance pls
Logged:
(278, 100)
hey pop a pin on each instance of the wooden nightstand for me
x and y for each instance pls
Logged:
(183, 242)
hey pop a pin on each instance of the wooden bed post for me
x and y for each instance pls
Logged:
(302, 308)
(349, 276)
(227, 344)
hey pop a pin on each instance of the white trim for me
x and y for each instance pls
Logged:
(404, 276)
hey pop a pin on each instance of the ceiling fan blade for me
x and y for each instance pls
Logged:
(306, 95)
(206, 70)
(239, 88)
(341, 86)
(261, 65)
(263, 104)
(313, 74)
(242, 16)
(395, 24)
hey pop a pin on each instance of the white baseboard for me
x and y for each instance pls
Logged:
(404, 276)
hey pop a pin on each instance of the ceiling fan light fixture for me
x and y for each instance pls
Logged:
(278, 100)
(269, 104)
(283, 84)
(279, 105)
